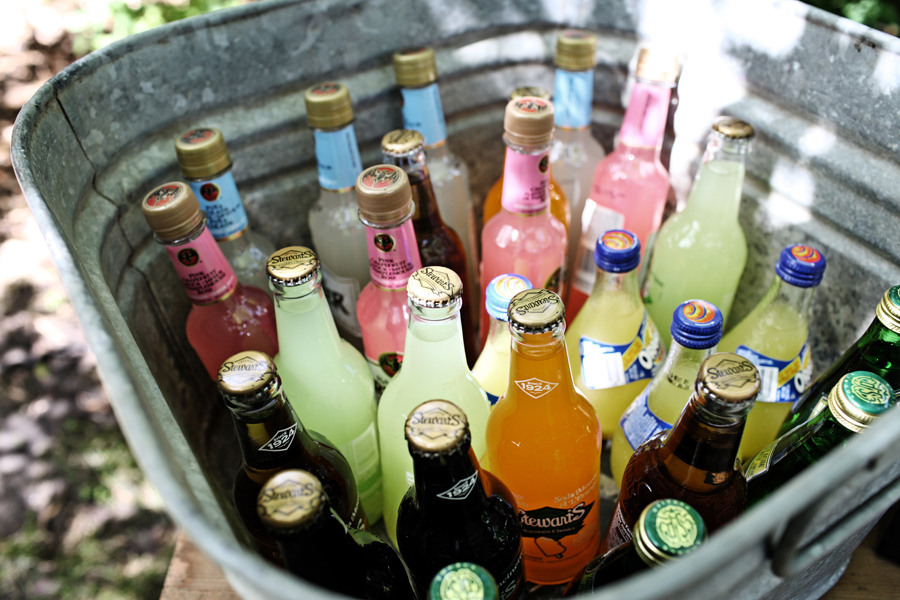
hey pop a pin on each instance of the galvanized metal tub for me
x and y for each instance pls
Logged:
(817, 88)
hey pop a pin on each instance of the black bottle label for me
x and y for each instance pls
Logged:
(550, 525)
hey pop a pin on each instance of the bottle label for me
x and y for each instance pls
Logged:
(337, 155)
(526, 182)
(572, 98)
(219, 198)
(762, 462)
(393, 255)
(560, 532)
(596, 220)
(605, 366)
(384, 368)
(639, 422)
(422, 111)
(461, 490)
(645, 118)
(204, 271)
(342, 294)
(535, 387)
(781, 380)
(619, 531)
(512, 579)
(365, 462)
(281, 441)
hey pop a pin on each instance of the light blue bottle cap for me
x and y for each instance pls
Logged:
(500, 291)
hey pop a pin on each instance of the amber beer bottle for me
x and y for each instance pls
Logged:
(319, 546)
(273, 439)
(696, 461)
(455, 511)
(544, 440)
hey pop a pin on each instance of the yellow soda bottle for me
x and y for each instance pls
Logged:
(696, 329)
(613, 345)
(775, 338)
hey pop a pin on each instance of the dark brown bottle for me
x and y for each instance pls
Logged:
(439, 245)
(696, 461)
(318, 546)
(273, 439)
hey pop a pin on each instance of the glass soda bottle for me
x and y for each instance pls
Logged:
(858, 400)
(386, 209)
(613, 343)
(492, 367)
(227, 317)
(455, 511)
(206, 165)
(877, 351)
(666, 530)
(524, 237)
(544, 442)
(463, 581)
(434, 367)
(701, 251)
(630, 184)
(775, 337)
(696, 461)
(439, 245)
(273, 439)
(319, 546)
(575, 152)
(559, 204)
(337, 234)
(696, 329)
(327, 379)
(416, 73)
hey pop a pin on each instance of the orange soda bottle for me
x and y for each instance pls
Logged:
(543, 442)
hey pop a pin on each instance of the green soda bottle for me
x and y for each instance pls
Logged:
(463, 581)
(858, 400)
(701, 251)
(877, 351)
(775, 338)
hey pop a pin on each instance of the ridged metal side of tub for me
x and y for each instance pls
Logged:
(819, 90)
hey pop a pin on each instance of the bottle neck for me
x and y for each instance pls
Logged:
(447, 483)
(337, 157)
(526, 179)
(682, 365)
(498, 335)
(205, 273)
(426, 207)
(303, 308)
(607, 282)
(717, 188)
(542, 356)
(794, 298)
(644, 124)
(393, 251)
(573, 97)
(423, 112)
(434, 342)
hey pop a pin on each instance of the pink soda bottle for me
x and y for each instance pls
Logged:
(227, 317)
(524, 237)
(385, 208)
(630, 184)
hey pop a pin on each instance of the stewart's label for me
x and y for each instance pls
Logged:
(781, 380)
(526, 182)
(572, 98)
(337, 155)
(342, 294)
(639, 423)
(605, 366)
(393, 255)
(422, 112)
(219, 198)
(204, 271)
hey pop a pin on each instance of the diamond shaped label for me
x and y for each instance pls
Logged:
(535, 387)
(461, 490)
(281, 441)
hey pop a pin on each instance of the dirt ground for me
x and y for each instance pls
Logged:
(77, 518)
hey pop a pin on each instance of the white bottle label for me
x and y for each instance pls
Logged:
(362, 454)
(342, 294)
(461, 490)
(281, 441)
(595, 221)
(605, 366)
(535, 387)
(781, 380)
(639, 423)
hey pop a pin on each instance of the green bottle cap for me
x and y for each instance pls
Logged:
(667, 529)
(859, 398)
(463, 581)
(888, 310)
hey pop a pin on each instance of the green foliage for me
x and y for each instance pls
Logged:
(881, 14)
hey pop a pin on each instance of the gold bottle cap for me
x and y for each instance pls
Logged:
(529, 90)
(172, 211)
(730, 380)
(859, 399)
(383, 194)
(436, 427)
(246, 374)
(294, 265)
(291, 499)
(529, 121)
(202, 153)
(733, 128)
(401, 142)
(576, 50)
(535, 311)
(657, 65)
(434, 287)
(888, 310)
(328, 106)
(415, 67)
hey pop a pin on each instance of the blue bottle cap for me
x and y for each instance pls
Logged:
(618, 251)
(500, 291)
(801, 265)
(697, 324)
